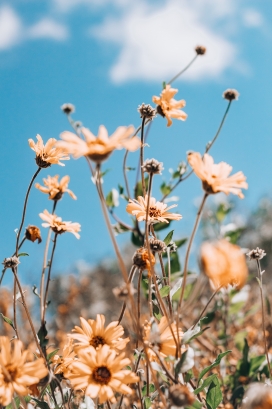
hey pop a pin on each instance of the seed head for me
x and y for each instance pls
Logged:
(33, 233)
(11, 262)
(231, 94)
(157, 246)
(146, 111)
(68, 108)
(180, 396)
(141, 259)
(200, 50)
(256, 254)
(153, 166)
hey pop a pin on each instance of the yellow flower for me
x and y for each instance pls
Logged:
(162, 339)
(57, 225)
(62, 362)
(54, 188)
(158, 211)
(93, 333)
(48, 154)
(168, 106)
(99, 149)
(15, 373)
(215, 177)
(224, 263)
(100, 373)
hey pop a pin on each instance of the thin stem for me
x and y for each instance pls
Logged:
(116, 218)
(183, 70)
(147, 380)
(125, 174)
(150, 297)
(139, 306)
(142, 156)
(206, 306)
(164, 367)
(24, 211)
(108, 404)
(130, 278)
(14, 308)
(167, 281)
(20, 245)
(48, 277)
(140, 394)
(263, 319)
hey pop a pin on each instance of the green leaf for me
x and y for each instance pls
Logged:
(42, 334)
(255, 364)
(156, 311)
(23, 254)
(168, 238)
(147, 402)
(151, 389)
(180, 363)
(52, 354)
(17, 403)
(174, 263)
(233, 236)
(163, 84)
(268, 306)
(104, 173)
(161, 226)
(120, 189)
(214, 395)
(164, 291)
(209, 318)
(41, 404)
(180, 242)
(165, 189)
(243, 364)
(139, 189)
(136, 239)
(216, 363)
(195, 405)
(8, 321)
(222, 212)
(205, 383)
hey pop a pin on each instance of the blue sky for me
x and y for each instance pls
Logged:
(107, 57)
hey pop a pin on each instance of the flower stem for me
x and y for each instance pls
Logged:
(48, 277)
(139, 305)
(130, 278)
(14, 309)
(183, 70)
(206, 306)
(167, 281)
(142, 156)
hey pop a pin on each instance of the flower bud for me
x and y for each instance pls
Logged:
(33, 233)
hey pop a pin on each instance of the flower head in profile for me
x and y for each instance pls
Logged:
(61, 363)
(158, 211)
(48, 154)
(56, 188)
(33, 233)
(215, 177)
(16, 374)
(168, 106)
(142, 260)
(93, 333)
(224, 263)
(57, 225)
(100, 373)
(99, 148)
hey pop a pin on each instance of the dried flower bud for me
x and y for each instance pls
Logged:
(231, 94)
(33, 233)
(68, 108)
(11, 262)
(200, 50)
(153, 166)
(123, 292)
(180, 396)
(141, 259)
(146, 111)
(256, 254)
(157, 246)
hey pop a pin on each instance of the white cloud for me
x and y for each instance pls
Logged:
(10, 28)
(252, 18)
(68, 5)
(156, 41)
(48, 28)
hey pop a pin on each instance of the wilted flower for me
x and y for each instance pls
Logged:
(153, 166)
(157, 246)
(168, 106)
(215, 177)
(68, 108)
(99, 149)
(231, 94)
(10, 262)
(15, 373)
(158, 211)
(258, 396)
(48, 154)
(62, 362)
(142, 260)
(256, 254)
(93, 333)
(56, 188)
(224, 263)
(147, 111)
(57, 225)
(33, 233)
(180, 396)
(99, 372)
(200, 50)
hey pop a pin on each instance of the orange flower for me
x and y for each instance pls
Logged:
(99, 372)
(142, 261)
(54, 188)
(215, 177)
(57, 225)
(62, 362)
(48, 154)
(15, 373)
(168, 106)
(224, 263)
(92, 332)
(99, 149)
(158, 211)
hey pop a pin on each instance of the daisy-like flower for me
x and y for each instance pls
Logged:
(57, 225)
(158, 211)
(93, 333)
(161, 339)
(56, 188)
(16, 374)
(99, 148)
(224, 264)
(48, 154)
(168, 106)
(99, 372)
(62, 362)
(215, 177)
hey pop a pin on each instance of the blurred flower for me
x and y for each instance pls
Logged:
(142, 260)
(153, 166)
(231, 94)
(158, 211)
(48, 154)
(100, 373)
(68, 108)
(256, 254)
(33, 233)
(57, 225)
(99, 149)
(258, 396)
(224, 263)
(168, 106)
(62, 362)
(54, 188)
(15, 373)
(200, 50)
(215, 177)
(123, 292)
(93, 333)
(180, 396)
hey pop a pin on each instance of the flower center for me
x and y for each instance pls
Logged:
(154, 212)
(102, 375)
(10, 374)
(96, 341)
